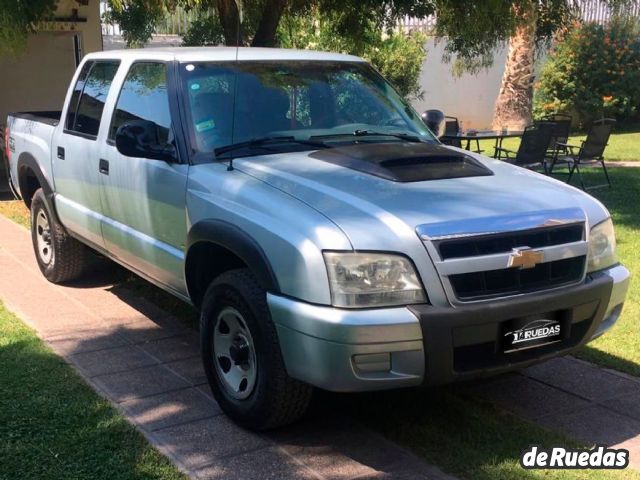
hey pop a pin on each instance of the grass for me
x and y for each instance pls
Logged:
(470, 438)
(462, 434)
(53, 425)
(15, 210)
(623, 146)
(620, 348)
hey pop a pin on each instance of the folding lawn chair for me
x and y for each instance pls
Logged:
(452, 127)
(589, 153)
(533, 147)
(560, 134)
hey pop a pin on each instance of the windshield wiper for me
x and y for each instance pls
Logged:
(371, 133)
(264, 141)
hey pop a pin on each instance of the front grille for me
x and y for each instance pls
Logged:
(505, 242)
(512, 281)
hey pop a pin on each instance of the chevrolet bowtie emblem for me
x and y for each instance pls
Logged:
(524, 257)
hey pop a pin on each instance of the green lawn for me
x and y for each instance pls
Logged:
(620, 348)
(624, 146)
(460, 433)
(469, 438)
(53, 425)
(15, 210)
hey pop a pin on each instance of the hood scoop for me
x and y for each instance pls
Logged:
(404, 162)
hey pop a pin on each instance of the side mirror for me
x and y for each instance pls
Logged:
(140, 138)
(434, 119)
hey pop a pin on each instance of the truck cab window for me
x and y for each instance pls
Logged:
(144, 97)
(75, 96)
(231, 103)
(94, 94)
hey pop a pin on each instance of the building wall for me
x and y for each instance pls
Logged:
(470, 98)
(38, 78)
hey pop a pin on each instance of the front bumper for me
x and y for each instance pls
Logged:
(358, 350)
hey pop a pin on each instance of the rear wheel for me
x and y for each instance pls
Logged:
(242, 358)
(60, 257)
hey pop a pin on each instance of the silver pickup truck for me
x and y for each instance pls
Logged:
(326, 235)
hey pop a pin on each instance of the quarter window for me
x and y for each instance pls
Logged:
(144, 97)
(95, 88)
(75, 96)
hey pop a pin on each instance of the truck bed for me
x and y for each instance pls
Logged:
(30, 136)
(50, 117)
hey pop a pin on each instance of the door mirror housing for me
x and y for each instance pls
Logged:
(140, 138)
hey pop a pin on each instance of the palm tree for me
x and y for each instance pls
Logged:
(513, 105)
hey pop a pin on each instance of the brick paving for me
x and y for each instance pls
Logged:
(147, 364)
(587, 403)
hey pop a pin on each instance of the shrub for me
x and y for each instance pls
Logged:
(205, 30)
(593, 72)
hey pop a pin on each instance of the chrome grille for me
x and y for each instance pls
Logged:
(473, 257)
(492, 244)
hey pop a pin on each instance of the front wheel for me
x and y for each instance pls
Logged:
(242, 358)
(60, 257)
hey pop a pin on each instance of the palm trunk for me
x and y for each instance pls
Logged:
(513, 106)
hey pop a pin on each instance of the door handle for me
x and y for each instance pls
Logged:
(61, 153)
(103, 166)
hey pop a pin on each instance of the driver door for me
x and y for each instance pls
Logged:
(145, 224)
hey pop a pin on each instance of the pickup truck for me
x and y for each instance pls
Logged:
(327, 237)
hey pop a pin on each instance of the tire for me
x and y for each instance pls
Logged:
(270, 397)
(61, 258)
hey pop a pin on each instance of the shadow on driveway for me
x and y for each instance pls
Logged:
(461, 427)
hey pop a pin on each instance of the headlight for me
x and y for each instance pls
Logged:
(602, 246)
(372, 280)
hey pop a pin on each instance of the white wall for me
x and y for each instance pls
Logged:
(471, 98)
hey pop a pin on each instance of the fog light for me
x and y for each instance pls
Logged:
(372, 362)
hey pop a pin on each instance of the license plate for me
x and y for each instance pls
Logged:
(527, 333)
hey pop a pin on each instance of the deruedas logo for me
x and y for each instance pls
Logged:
(600, 457)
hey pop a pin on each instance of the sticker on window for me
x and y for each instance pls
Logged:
(195, 86)
(206, 125)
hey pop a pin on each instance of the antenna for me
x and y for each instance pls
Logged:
(235, 80)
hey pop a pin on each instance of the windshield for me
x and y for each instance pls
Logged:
(331, 102)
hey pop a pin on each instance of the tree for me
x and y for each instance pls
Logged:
(471, 30)
(18, 19)
(261, 18)
(397, 56)
(474, 31)
(514, 102)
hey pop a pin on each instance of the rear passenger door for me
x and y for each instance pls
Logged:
(75, 156)
(145, 221)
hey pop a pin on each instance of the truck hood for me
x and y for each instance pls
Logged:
(374, 211)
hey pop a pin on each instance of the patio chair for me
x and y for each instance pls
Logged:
(560, 134)
(452, 127)
(589, 153)
(533, 147)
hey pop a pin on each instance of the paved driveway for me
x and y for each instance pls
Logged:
(147, 363)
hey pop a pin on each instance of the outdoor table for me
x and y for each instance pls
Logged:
(471, 135)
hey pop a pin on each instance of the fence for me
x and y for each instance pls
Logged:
(601, 12)
(175, 23)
